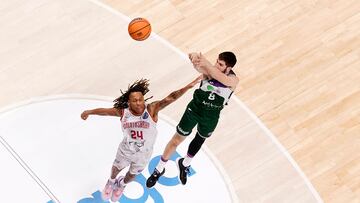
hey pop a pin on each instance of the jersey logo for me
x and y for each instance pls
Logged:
(145, 115)
(210, 87)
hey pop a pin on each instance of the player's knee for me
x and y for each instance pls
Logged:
(177, 139)
(174, 142)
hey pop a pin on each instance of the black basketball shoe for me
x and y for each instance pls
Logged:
(151, 181)
(183, 171)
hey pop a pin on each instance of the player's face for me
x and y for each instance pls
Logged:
(136, 103)
(221, 65)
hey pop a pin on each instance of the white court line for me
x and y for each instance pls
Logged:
(241, 104)
(281, 147)
(28, 170)
(262, 126)
(214, 160)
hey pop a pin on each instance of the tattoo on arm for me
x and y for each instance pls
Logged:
(171, 97)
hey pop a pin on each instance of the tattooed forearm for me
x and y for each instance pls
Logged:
(172, 97)
(176, 94)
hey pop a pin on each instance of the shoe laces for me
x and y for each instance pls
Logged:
(156, 173)
(187, 170)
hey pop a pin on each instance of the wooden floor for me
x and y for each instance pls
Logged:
(299, 67)
(298, 63)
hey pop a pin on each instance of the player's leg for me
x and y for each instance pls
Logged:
(184, 167)
(120, 185)
(160, 168)
(170, 148)
(138, 164)
(206, 126)
(120, 163)
(110, 184)
(183, 129)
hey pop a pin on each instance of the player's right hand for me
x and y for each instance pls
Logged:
(193, 56)
(84, 115)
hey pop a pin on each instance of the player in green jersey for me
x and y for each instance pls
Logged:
(218, 84)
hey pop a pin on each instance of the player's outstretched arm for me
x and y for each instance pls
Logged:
(173, 96)
(101, 112)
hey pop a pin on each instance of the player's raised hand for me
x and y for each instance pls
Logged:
(202, 62)
(193, 56)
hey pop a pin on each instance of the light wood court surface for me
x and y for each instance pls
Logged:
(298, 62)
(299, 67)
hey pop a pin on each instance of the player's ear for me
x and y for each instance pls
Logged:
(227, 70)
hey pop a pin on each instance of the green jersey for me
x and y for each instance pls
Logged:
(212, 94)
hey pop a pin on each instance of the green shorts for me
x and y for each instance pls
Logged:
(205, 119)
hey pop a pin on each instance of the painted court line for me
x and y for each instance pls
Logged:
(35, 100)
(28, 170)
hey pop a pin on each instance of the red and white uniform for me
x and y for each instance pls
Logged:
(139, 138)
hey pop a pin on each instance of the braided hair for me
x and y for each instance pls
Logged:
(138, 86)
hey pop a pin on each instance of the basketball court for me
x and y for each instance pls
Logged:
(60, 57)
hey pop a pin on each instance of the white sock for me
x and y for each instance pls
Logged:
(161, 165)
(187, 160)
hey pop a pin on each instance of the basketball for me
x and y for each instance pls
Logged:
(139, 29)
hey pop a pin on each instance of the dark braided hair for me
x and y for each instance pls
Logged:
(138, 86)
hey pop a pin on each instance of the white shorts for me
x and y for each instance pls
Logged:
(137, 160)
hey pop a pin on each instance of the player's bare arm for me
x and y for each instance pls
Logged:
(157, 106)
(101, 112)
(228, 80)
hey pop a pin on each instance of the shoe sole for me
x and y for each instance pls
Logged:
(151, 186)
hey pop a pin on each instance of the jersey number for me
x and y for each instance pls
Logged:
(136, 134)
(211, 96)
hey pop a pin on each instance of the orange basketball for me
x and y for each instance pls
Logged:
(139, 29)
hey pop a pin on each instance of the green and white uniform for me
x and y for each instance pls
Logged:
(204, 109)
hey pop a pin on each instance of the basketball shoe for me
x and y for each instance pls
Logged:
(106, 193)
(151, 181)
(183, 171)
